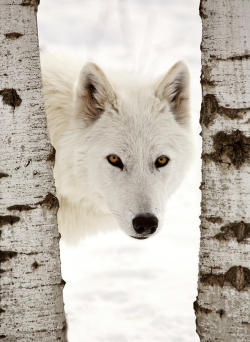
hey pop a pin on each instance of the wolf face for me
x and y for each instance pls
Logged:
(135, 143)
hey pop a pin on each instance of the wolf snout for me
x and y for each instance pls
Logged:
(145, 224)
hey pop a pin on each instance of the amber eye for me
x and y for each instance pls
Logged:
(161, 161)
(114, 160)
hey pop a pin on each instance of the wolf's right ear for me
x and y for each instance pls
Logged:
(93, 92)
(174, 88)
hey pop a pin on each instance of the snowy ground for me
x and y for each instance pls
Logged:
(119, 289)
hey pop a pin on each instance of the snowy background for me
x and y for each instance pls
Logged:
(119, 289)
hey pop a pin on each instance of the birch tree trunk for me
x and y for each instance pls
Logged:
(223, 303)
(31, 304)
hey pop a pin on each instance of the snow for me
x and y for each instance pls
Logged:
(120, 289)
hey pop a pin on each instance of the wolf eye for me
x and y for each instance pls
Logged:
(114, 160)
(161, 161)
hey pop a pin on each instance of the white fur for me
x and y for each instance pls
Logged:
(137, 122)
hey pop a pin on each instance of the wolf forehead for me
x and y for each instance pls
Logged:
(135, 113)
(132, 120)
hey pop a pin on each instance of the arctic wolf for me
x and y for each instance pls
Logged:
(123, 145)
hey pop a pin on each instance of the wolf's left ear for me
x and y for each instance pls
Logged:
(174, 87)
(93, 93)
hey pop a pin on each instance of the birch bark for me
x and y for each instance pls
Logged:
(31, 304)
(222, 306)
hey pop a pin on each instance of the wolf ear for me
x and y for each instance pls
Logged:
(93, 92)
(174, 87)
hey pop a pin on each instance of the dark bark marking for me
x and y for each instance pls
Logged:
(238, 230)
(31, 3)
(206, 82)
(28, 163)
(2, 336)
(210, 108)
(206, 76)
(51, 156)
(13, 35)
(202, 186)
(63, 283)
(49, 201)
(29, 253)
(20, 207)
(231, 58)
(232, 148)
(1, 311)
(65, 326)
(43, 285)
(214, 219)
(237, 276)
(220, 312)
(35, 265)
(212, 279)
(2, 175)
(7, 255)
(202, 12)
(8, 219)
(199, 308)
(11, 97)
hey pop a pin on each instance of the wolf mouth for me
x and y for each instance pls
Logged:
(139, 237)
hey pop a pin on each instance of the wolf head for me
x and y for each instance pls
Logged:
(137, 142)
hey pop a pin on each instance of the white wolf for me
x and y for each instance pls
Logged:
(123, 145)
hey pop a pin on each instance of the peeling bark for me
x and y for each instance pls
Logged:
(31, 304)
(222, 306)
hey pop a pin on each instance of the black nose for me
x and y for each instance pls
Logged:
(145, 224)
